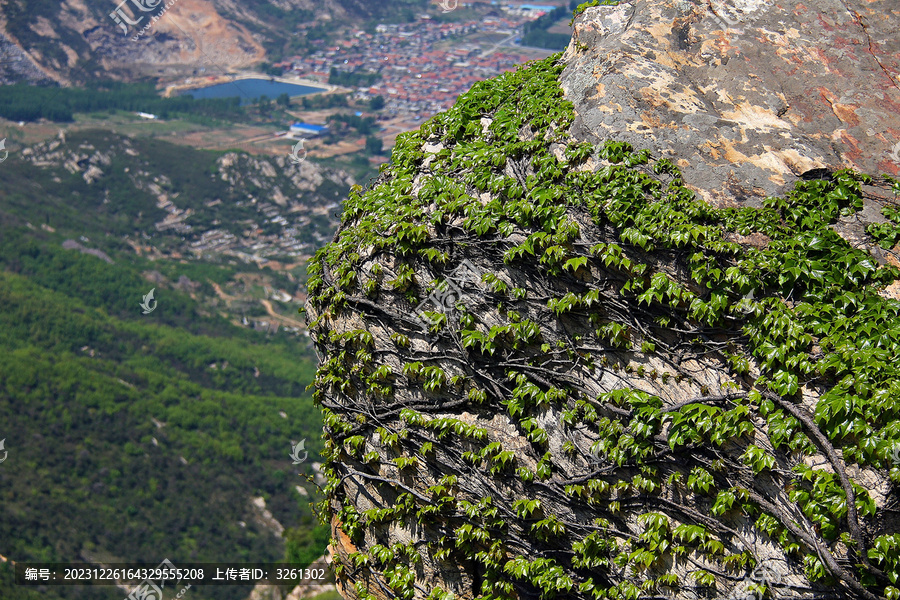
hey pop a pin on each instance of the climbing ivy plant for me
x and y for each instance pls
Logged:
(562, 433)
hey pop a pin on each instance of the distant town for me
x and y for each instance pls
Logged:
(420, 70)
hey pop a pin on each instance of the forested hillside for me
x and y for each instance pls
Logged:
(131, 436)
(22, 102)
(149, 432)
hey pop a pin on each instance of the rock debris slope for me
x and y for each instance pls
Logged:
(623, 323)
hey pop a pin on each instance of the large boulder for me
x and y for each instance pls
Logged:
(622, 323)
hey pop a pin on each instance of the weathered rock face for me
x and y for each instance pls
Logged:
(745, 97)
(567, 349)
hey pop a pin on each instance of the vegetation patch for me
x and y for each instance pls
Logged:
(724, 369)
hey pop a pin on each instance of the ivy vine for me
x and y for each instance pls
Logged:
(610, 293)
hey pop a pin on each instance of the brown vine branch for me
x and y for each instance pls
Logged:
(812, 542)
(825, 446)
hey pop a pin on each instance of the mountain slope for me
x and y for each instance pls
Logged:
(77, 42)
(139, 437)
(150, 438)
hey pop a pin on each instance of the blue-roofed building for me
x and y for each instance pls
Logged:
(308, 129)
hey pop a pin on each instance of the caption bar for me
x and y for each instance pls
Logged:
(192, 573)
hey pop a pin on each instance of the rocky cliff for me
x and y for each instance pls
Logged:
(622, 324)
(76, 42)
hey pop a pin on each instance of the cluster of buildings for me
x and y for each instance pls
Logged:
(422, 68)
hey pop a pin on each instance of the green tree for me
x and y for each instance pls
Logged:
(270, 69)
(374, 145)
(306, 543)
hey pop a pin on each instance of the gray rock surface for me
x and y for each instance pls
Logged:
(745, 96)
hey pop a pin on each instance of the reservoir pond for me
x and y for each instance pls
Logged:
(248, 90)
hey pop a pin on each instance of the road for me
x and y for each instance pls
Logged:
(268, 306)
(275, 315)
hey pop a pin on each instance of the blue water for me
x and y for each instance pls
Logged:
(248, 90)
